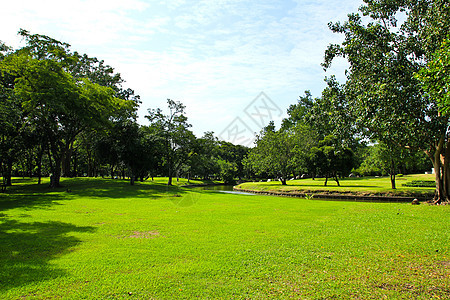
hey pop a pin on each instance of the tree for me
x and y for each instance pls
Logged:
(55, 101)
(204, 163)
(381, 93)
(273, 154)
(11, 118)
(177, 139)
(330, 159)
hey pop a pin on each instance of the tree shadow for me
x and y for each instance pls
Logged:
(116, 189)
(27, 249)
(28, 197)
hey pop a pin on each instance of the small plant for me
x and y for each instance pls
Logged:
(309, 196)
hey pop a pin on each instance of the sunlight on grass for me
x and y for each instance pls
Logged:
(107, 239)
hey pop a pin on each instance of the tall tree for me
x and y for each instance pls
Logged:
(55, 101)
(178, 141)
(381, 92)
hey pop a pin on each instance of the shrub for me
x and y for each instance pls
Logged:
(420, 183)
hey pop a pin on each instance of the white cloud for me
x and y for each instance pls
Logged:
(215, 56)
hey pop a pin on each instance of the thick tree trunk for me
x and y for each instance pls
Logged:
(283, 181)
(56, 174)
(435, 158)
(393, 180)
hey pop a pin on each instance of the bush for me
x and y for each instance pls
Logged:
(420, 183)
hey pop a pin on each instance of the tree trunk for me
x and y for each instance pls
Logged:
(436, 161)
(439, 194)
(393, 180)
(446, 171)
(392, 174)
(56, 174)
(170, 173)
(39, 165)
(326, 180)
(65, 164)
(132, 178)
(336, 179)
(283, 181)
(8, 174)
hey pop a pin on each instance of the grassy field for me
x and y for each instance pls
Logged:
(104, 239)
(363, 185)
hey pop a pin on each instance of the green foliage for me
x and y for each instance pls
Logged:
(386, 46)
(227, 171)
(177, 141)
(274, 154)
(436, 77)
(330, 159)
(57, 99)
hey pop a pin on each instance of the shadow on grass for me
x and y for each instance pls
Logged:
(29, 196)
(115, 189)
(27, 249)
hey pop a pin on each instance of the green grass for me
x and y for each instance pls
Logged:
(107, 240)
(363, 185)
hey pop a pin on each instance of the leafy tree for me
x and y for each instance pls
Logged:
(331, 159)
(11, 118)
(55, 101)
(177, 140)
(381, 93)
(204, 163)
(234, 154)
(273, 155)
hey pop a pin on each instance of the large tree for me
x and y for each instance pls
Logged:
(59, 104)
(382, 93)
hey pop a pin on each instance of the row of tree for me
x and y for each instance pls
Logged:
(397, 96)
(66, 114)
(69, 114)
(309, 144)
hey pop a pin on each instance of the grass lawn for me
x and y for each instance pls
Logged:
(104, 239)
(363, 185)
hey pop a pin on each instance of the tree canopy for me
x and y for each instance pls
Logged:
(382, 93)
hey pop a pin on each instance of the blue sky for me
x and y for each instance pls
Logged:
(214, 56)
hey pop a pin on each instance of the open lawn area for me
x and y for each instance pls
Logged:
(105, 239)
(358, 186)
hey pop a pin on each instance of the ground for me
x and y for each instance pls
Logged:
(105, 239)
